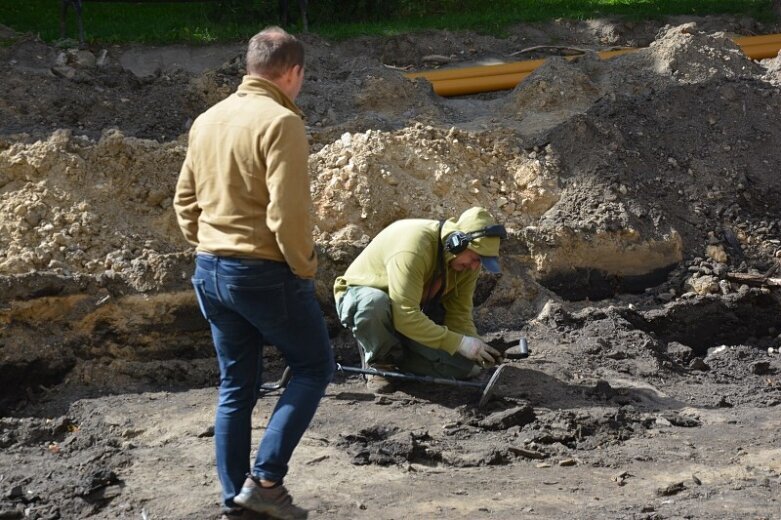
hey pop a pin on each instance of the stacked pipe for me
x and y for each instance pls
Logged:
(472, 80)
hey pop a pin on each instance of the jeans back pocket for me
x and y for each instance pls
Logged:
(262, 305)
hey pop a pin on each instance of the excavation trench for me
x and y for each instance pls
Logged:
(753, 320)
(594, 284)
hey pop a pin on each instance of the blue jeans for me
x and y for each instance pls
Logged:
(249, 303)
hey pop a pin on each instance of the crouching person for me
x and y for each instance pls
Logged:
(407, 298)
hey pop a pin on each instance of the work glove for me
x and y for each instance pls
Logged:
(478, 351)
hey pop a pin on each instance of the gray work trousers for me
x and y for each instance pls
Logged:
(366, 311)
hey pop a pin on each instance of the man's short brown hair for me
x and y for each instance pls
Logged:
(272, 52)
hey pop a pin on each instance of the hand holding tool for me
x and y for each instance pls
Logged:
(477, 350)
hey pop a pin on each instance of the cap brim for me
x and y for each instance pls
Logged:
(491, 264)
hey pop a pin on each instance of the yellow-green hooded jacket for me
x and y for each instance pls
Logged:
(402, 261)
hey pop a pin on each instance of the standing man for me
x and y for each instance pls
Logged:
(243, 200)
(407, 298)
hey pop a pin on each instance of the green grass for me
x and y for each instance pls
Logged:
(236, 20)
(495, 17)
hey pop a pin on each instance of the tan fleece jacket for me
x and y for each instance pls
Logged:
(243, 190)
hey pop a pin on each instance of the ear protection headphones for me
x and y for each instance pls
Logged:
(457, 241)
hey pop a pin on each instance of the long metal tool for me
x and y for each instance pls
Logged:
(408, 377)
(285, 378)
(487, 388)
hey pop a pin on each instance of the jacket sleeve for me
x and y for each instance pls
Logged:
(289, 212)
(405, 289)
(186, 202)
(458, 304)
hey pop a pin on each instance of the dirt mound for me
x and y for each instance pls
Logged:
(773, 66)
(367, 180)
(49, 89)
(688, 56)
(73, 205)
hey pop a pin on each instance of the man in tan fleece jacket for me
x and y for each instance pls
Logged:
(243, 201)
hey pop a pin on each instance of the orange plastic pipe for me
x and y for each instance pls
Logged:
(754, 40)
(461, 86)
(476, 72)
(761, 51)
(470, 80)
(497, 70)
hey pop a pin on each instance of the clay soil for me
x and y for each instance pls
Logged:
(643, 203)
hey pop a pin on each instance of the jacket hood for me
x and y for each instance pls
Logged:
(471, 220)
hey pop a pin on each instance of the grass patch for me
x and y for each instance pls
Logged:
(497, 16)
(237, 20)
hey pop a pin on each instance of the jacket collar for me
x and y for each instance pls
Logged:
(263, 87)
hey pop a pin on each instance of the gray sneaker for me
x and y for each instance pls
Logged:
(275, 502)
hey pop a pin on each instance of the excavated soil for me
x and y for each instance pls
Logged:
(643, 204)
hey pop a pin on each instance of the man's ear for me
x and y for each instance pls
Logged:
(291, 75)
(292, 72)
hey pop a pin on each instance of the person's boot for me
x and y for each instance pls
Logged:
(376, 384)
(274, 501)
(379, 384)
